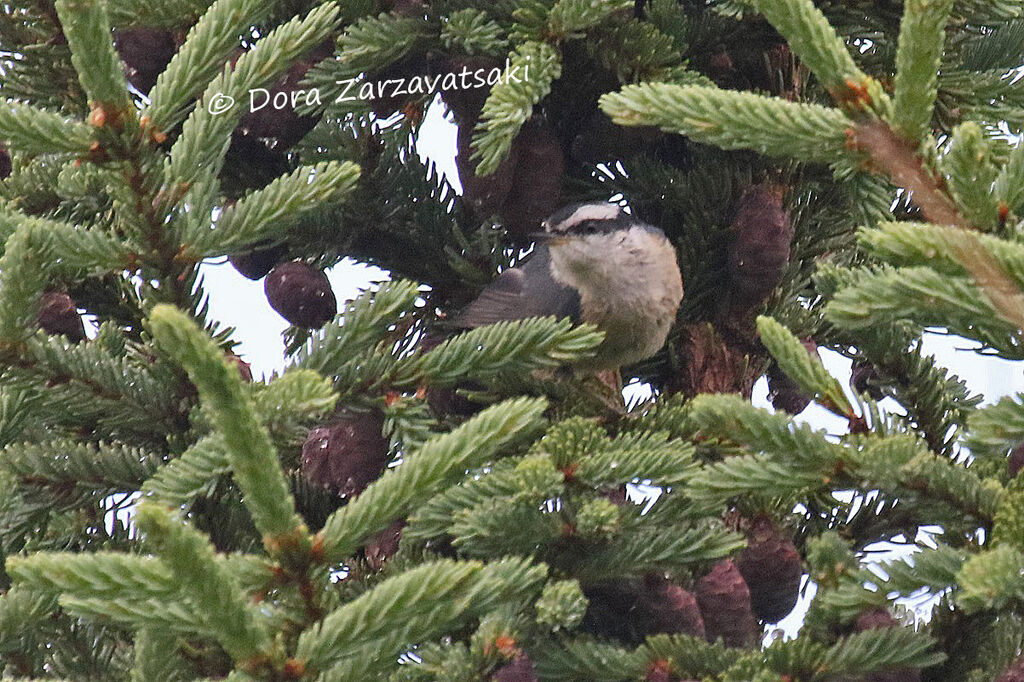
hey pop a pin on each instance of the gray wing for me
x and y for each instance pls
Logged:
(525, 291)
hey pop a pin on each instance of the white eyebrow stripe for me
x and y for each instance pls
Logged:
(592, 212)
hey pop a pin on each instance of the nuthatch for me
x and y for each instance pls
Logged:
(597, 264)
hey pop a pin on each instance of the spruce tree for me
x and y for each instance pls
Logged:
(405, 502)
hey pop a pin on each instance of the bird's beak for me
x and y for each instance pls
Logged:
(548, 239)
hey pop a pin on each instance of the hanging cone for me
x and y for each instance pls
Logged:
(519, 670)
(881, 618)
(59, 315)
(665, 607)
(771, 567)
(255, 264)
(724, 600)
(759, 253)
(346, 454)
(1014, 673)
(301, 294)
(146, 52)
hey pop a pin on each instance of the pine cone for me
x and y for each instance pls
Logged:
(59, 315)
(536, 190)
(347, 454)
(255, 264)
(784, 394)
(280, 121)
(244, 368)
(759, 253)
(383, 545)
(301, 294)
(484, 194)
(5, 163)
(665, 607)
(1016, 461)
(1013, 673)
(874, 620)
(771, 567)
(862, 380)
(519, 670)
(146, 52)
(724, 600)
(448, 401)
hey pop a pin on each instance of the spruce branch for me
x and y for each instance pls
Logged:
(219, 603)
(364, 323)
(176, 616)
(733, 120)
(254, 462)
(918, 57)
(440, 461)
(190, 474)
(510, 103)
(82, 250)
(570, 18)
(523, 345)
(198, 154)
(264, 213)
(100, 574)
(928, 298)
(208, 45)
(970, 174)
(37, 131)
(471, 31)
(803, 367)
(432, 597)
(87, 28)
(991, 579)
(23, 275)
(62, 463)
(813, 39)
(882, 648)
(1009, 185)
(995, 429)
(374, 42)
(156, 657)
(898, 158)
(22, 608)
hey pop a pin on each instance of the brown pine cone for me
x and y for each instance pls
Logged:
(665, 607)
(146, 52)
(383, 545)
(5, 163)
(519, 670)
(59, 315)
(301, 294)
(255, 264)
(486, 194)
(881, 618)
(724, 600)
(784, 393)
(1016, 460)
(280, 121)
(244, 368)
(771, 567)
(347, 454)
(862, 380)
(536, 190)
(759, 253)
(1013, 673)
